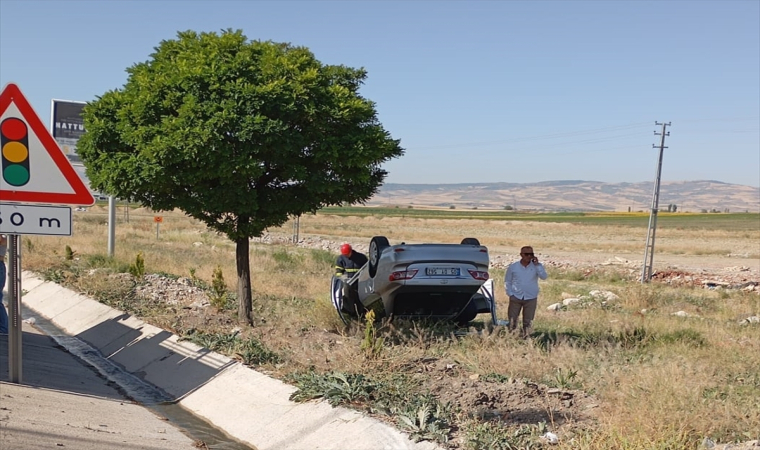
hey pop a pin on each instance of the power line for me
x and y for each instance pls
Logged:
(538, 137)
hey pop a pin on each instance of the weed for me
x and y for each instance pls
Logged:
(68, 254)
(322, 257)
(137, 269)
(253, 352)
(687, 336)
(100, 261)
(596, 275)
(372, 345)
(54, 275)
(632, 338)
(425, 418)
(336, 387)
(496, 378)
(168, 276)
(500, 436)
(628, 338)
(284, 260)
(250, 351)
(118, 292)
(565, 379)
(422, 415)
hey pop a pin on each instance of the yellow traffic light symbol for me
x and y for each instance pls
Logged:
(14, 141)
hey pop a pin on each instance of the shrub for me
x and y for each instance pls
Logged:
(137, 269)
(218, 295)
(372, 344)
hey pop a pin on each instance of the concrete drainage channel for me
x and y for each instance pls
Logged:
(135, 389)
(196, 387)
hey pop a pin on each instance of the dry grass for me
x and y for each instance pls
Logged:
(661, 382)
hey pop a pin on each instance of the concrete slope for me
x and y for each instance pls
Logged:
(239, 400)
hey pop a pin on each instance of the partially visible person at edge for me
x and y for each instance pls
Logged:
(349, 262)
(521, 283)
(3, 313)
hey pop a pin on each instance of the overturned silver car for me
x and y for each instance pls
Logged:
(435, 281)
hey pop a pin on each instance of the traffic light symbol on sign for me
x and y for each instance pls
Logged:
(14, 142)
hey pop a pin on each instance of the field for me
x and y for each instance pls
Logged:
(660, 365)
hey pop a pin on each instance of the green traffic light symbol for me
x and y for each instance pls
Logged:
(14, 141)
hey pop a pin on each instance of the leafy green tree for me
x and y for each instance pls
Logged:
(238, 134)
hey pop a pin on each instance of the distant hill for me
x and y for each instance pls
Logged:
(574, 195)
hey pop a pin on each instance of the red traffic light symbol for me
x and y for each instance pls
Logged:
(13, 128)
(14, 142)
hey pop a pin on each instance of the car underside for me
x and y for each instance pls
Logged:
(419, 281)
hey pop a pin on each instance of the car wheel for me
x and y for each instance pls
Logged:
(338, 299)
(467, 315)
(376, 246)
(470, 241)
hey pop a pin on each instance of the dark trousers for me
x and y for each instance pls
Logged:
(528, 308)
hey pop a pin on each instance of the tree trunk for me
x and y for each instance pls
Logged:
(245, 303)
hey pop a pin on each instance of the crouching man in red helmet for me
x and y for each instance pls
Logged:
(349, 262)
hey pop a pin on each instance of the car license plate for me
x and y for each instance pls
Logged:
(442, 271)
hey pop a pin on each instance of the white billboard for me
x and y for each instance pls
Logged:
(67, 126)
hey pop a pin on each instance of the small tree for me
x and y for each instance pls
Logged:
(218, 297)
(238, 134)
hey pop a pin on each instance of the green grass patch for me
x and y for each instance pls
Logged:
(251, 351)
(420, 414)
(323, 258)
(501, 436)
(706, 221)
(286, 261)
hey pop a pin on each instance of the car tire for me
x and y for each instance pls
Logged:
(376, 247)
(470, 241)
(467, 315)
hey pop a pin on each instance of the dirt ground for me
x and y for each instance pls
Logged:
(513, 401)
(509, 400)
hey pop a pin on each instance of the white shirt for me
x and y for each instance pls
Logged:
(522, 281)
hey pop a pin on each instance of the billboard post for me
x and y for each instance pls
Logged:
(67, 126)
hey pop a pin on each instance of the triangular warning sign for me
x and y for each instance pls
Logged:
(34, 169)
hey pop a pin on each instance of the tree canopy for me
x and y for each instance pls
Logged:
(238, 134)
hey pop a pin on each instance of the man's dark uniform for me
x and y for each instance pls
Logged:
(350, 264)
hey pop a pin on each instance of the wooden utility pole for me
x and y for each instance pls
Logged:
(646, 273)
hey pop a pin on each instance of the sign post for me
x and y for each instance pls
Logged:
(158, 220)
(14, 310)
(34, 170)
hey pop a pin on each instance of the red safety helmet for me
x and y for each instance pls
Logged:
(345, 249)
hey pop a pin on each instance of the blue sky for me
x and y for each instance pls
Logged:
(493, 91)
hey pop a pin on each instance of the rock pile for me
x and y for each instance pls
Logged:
(180, 291)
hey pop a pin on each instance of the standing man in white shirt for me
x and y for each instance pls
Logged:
(521, 283)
